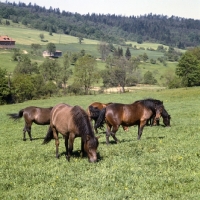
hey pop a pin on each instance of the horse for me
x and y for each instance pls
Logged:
(94, 111)
(38, 115)
(166, 119)
(137, 113)
(72, 122)
(164, 114)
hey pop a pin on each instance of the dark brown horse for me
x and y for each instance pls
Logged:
(137, 113)
(94, 110)
(166, 119)
(72, 122)
(40, 116)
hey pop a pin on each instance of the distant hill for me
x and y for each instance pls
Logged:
(172, 31)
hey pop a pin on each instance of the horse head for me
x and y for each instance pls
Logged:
(90, 147)
(166, 121)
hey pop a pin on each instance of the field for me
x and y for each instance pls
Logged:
(164, 164)
(25, 37)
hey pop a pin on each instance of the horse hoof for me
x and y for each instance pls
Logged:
(24, 139)
(68, 158)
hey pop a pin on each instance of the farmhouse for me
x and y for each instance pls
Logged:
(6, 42)
(56, 54)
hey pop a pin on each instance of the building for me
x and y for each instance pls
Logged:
(6, 42)
(56, 54)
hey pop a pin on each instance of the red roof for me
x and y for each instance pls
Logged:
(5, 38)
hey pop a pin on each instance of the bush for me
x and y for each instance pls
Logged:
(149, 79)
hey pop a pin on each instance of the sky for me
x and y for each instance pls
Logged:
(180, 8)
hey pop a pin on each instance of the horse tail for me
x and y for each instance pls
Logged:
(101, 119)
(16, 116)
(49, 136)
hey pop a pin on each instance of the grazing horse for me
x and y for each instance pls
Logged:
(166, 119)
(94, 111)
(72, 122)
(40, 116)
(164, 114)
(117, 114)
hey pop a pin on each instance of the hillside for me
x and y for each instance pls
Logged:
(171, 31)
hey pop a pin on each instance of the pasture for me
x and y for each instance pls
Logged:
(164, 164)
(25, 37)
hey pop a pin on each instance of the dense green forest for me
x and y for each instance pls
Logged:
(172, 31)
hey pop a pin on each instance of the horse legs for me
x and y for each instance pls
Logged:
(27, 127)
(55, 135)
(140, 128)
(114, 130)
(108, 133)
(24, 133)
(112, 133)
(70, 149)
(29, 133)
(66, 147)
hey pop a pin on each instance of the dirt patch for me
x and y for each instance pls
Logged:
(25, 52)
(129, 89)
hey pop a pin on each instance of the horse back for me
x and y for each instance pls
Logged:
(126, 114)
(40, 116)
(60, 118)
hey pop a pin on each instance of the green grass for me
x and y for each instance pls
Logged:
(164, 164)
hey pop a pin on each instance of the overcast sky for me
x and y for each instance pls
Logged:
(180, 8)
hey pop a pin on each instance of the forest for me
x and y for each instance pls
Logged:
(167, 30)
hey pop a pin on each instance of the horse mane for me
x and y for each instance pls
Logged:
(150, 103)
(82, 122)
(94, 112)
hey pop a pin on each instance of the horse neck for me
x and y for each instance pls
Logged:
(164, 113)
(82, 123)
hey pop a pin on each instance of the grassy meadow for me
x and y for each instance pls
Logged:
(164, 164)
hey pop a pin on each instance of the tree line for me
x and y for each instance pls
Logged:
(172, 31)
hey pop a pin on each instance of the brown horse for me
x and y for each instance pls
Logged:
(118, 114)
(40, 116)
(94, 110)
(72, 122)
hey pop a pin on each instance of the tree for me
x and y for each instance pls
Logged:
(65, 71)
(145, 57)
(86, 72)
(149, 79)
(41, 35)
(50, 88)
(25, 66)
(35, 48)
(23, 87)
(103, 48)
(188, 68)
(50, 70)
(117, 72)
(80, 39)
(16, 55)
(51, 48)
(4, 87)
(128, 53)
(139, 40)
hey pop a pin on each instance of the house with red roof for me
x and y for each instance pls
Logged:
(6, 42)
